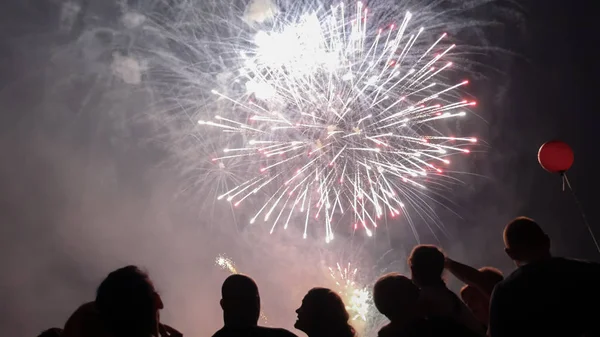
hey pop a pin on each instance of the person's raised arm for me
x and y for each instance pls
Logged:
(471, 276)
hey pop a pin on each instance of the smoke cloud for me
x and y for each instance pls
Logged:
(259, 11)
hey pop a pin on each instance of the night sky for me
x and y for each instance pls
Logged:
(537, 82)
(550, 96)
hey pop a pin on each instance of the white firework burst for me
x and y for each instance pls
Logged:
(324, 112)
(338, 117)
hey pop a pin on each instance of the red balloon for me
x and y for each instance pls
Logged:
(556, 156)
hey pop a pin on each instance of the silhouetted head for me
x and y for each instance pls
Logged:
(525, 241)
(240, 301)
(323, 313)
(85, 321)
(52, 332)
(395, 296)
(493, 275)
(426, 265)
(128, 304)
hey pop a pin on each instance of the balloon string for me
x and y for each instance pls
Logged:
(587, 224)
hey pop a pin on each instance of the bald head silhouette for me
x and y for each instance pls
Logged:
(427, 265)
(525, 241)
(240, 301)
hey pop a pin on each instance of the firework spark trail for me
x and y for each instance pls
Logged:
(226, 263)
(355, 297)
(337, 115)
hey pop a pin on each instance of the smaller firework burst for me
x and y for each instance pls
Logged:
(226, 263)
(355, 296)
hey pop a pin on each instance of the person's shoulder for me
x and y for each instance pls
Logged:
(576, 263)
(275, 332)
(445, 326)
(581, 269)
(503, 287)
(521, 274)
(515, 275)
(220, 333)
(412, 329)
(385, 331)
(255, 331)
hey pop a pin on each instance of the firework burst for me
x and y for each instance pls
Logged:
(226, 263)
(337, 115)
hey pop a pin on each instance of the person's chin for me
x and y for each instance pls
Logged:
(297, 324)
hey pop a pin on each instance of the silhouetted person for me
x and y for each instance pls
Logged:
(323, 314)
(397, 298)
(240, 302)
(479, 286)
(545, 296)
(484, 279)
(52, 332)
(478, 302)
(128, 304)
(85, 322)
(427, 265)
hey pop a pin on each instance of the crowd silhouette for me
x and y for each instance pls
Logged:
(545, 296)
